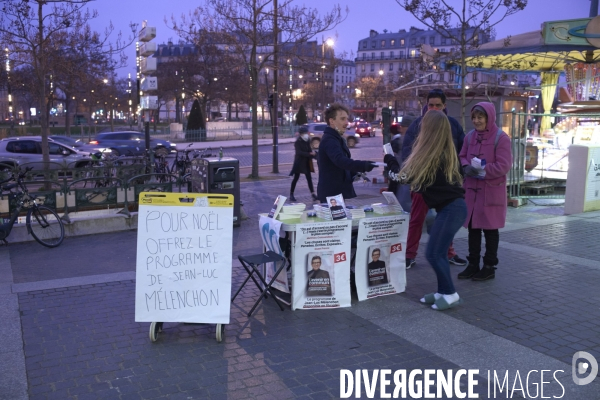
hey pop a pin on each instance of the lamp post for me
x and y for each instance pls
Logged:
(129, 101)
(290, 93)
(10, 102)
(329, 42)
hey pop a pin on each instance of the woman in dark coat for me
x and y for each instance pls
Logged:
(303, 162)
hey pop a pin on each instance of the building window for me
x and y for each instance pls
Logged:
(423, 40)
(401, 53)
(443, 41)
(432, 40)
(413, 42)
(381, 67)
(362, 68)
(401, 42)
(364, 44)
(430, 78)
(381, 56)
(372, 67)
(364, 56)
(391, 68)
(392, 42)
(373, 44)
(382, 44)
(391, 55)
(372, 56)
(413, 53)
(474, 76)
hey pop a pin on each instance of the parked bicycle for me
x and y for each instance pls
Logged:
(183, 161)
(43, 223)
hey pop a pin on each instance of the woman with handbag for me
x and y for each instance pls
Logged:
(303, 162)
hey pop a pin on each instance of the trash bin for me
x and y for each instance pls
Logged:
(218, 175)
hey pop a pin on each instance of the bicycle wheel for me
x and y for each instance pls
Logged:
(45, 226)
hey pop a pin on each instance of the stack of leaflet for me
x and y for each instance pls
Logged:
(323, 211)
(291, 211)
(355, 213)
(380, 208)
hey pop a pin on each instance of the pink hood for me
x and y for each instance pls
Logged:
(490, 110)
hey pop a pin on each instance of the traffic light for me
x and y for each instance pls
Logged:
(270, 101)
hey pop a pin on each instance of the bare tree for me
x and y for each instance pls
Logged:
(372, 90)
(246, 27)
(464, 22)
(37, 29)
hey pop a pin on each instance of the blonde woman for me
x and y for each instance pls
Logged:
(432, 169)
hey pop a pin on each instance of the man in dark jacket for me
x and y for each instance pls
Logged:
(336, 168)
(436, 100)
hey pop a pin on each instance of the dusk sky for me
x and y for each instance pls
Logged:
(363, 16)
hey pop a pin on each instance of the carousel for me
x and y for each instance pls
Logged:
(570, 48)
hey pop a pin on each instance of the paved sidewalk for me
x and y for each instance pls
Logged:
(69, 332)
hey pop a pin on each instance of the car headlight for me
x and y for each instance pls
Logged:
(173, 145)
(356, 135)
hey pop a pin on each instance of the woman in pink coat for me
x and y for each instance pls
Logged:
(485, 189)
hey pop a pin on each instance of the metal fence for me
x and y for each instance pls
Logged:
(101, 185)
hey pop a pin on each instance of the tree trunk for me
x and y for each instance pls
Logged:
(254, 102)
(67, 114)
(42, 87)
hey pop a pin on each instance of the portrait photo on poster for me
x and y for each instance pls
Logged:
(320, 274)
(378, 265)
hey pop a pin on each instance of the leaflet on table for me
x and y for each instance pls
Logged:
(336, 206)
(380, 256)
(269, 232)
(321, 265)
(277, 206)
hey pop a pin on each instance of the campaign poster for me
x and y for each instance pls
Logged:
(321, 265)
(184, 255)
(380, 256)
(269, 232)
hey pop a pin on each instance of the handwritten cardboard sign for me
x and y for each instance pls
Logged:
(184, 250)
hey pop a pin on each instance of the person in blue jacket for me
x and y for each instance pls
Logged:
(336, 169)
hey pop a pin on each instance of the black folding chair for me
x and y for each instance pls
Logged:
(251, 264)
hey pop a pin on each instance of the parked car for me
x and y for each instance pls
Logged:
(131, 143)
(78, 144)
(17, 151)
(315, 130)
(364, 129)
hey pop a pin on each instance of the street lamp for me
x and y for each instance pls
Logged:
(10, 102)
(329, 42)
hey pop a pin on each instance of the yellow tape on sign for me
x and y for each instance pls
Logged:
(186, 199)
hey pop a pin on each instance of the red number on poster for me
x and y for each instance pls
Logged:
(339, 257)
(396, 247)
